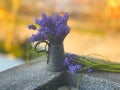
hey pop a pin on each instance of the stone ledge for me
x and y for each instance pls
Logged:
(28, 77)
(34, 76)
(96, 81)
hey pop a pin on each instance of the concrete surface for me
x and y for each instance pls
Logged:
(67, 88)
(29, 77)
(34, 76)
(96, 81)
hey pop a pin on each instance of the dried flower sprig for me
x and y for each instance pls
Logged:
(76, 64)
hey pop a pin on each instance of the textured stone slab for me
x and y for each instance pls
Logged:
(34, 76)
(96, 81)
(67, 88)
(28, 77)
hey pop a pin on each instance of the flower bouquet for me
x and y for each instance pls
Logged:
(52, 31)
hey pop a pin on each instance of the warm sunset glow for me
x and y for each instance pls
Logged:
(114, 8)
(114, 3)
(90, 20)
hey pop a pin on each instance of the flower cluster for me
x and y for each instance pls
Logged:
(49, 27)
(73, 66)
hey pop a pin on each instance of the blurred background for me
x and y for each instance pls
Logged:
(95, 26)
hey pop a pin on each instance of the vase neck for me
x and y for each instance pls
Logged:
(56, 41)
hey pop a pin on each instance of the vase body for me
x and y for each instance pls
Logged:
(56, 55)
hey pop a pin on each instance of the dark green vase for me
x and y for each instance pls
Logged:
(56, 55)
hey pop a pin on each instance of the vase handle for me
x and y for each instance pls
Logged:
(38, 43)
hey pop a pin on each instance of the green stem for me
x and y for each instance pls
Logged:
(79, 79)
(110, 70)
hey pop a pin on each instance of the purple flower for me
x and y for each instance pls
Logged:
(66, 16)
(62, 30)
(69, 59)
(34, 38)
(40, 36)
(71, 56)
(32, 27)
(41, 22)
(74, 68)
(37, 21)
(67, 62)
(52, 27)
(89, 70)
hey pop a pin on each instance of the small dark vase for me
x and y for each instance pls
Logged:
(56, 54)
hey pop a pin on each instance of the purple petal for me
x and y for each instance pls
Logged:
(74, 68)
(32, 27)
(66, 62)
(89, 70)
(66, 16)
(37, 21)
